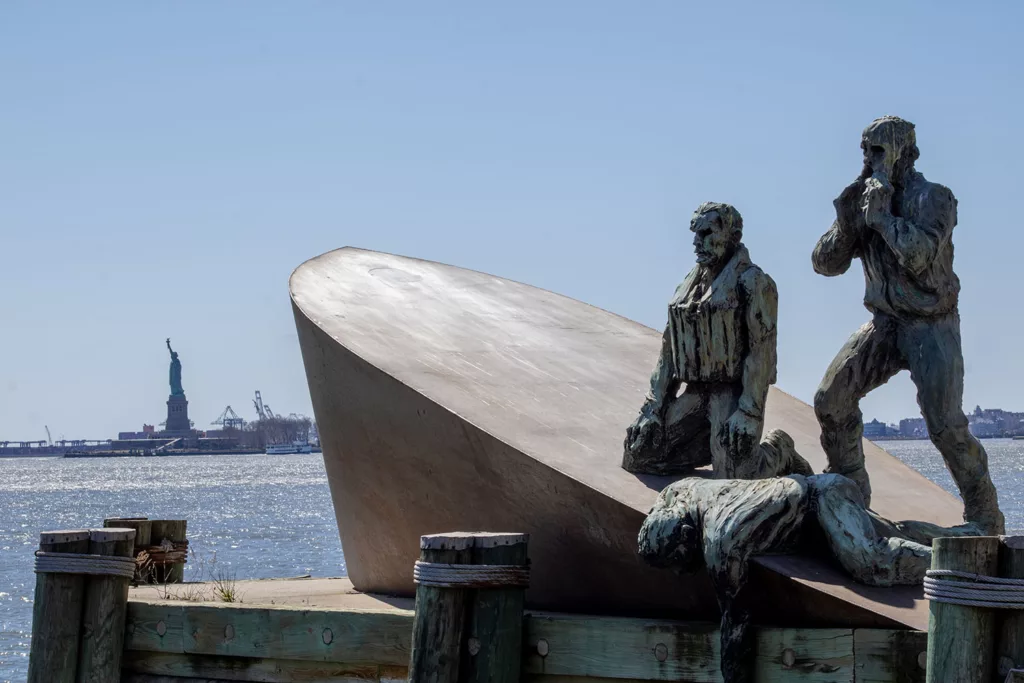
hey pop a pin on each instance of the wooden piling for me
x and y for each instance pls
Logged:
(961, 639)
(469, 633)
(439, 624)
(173, 530)
(143, 528)
(103, 615)
(1010, 623)
(494, 644)
(57, 613)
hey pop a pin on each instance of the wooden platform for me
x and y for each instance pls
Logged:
(320, 630)
(449, 399)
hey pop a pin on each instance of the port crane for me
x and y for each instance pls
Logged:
(229, 419)
(49, 439)
(261, 410)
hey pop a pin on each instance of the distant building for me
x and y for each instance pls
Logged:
(984, 427)
(913, 428)
(876, 429)
(987, 422)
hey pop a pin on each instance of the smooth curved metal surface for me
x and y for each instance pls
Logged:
(449, 399)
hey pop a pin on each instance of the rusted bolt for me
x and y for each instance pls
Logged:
(229, 632)
(922, 660)
(542, 647)
(161, 628)
(474, 646)
(661, 652)
(788, 657)
(328, 636)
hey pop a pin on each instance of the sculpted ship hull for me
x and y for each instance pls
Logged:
(449, 399)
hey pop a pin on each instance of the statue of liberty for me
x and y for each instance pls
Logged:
(176, 389)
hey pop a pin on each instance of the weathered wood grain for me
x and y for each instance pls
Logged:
(496, 615)
(961, 640)
(608, 647)
(1009, 653)
(143, 528)
(173, 530)
(440, 622)
(147, 678)
(155, 626)
(821, 655)
(57, 613)
(103, 614)
(318, 635)
(884, 656)
(261, 670)
(575, 647)
(276, 632)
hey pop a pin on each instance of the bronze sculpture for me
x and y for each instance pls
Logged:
(720, 525)
(719, 341)
(900, 225)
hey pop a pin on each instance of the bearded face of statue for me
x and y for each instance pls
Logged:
(712, 242)
(890, 147)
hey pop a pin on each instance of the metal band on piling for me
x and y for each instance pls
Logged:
(975, 590)
(79, 563)
(442, 575)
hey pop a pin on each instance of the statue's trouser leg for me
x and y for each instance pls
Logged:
(933, 352)
(868, 360)
(727, 460)
(686, 434)
(737, 641)
(869, 558)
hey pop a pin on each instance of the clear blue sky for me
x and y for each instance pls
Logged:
(165, 166)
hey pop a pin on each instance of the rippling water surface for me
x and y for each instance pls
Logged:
(255, 516)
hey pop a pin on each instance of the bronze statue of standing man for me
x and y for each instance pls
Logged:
(900, 226)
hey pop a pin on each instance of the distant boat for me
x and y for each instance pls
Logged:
(289, 448)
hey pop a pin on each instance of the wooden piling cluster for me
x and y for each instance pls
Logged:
(471, 630)
(474, 630)
(78, 619)
(971, 644)
(160, 539)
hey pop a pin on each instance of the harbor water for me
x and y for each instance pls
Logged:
(250, 516)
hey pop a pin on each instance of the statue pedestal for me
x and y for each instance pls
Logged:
(177, 415)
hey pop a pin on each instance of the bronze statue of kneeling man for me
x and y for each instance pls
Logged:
(722, 524)
(720, 342)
